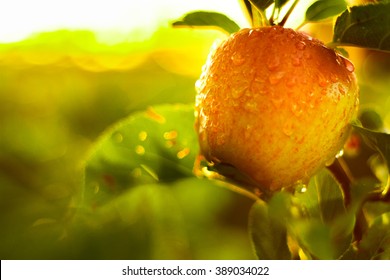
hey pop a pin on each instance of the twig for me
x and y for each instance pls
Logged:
(286, 16)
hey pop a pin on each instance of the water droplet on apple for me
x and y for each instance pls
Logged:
(300, 45)
(250, 106)
(348, 64)
(291, 34)
(296, 61)
(307, 55)
(273, 63)
(322, 82)
(237, 59)
(275, 78)
(248, 131)
(340, 153)
(291, 81)
(277, 102)
(198, 85)
(288, 128)
(237, 93)
(330, 161)
(341, 89)
(221, 139)
(296, 109)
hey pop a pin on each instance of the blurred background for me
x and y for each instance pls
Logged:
(70, 69)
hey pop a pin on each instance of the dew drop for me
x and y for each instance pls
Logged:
(325, 114)
(248, 131)
(277, 102)
(183, 153)
(291, 82)
(140, 150)
(170, 135)
(296, 61)
(237, 93)
(297, 111)
(300, 187)
(275, 78)
(334, 78)
(118, 137)
(340, 153)
(198, 85)
(250, 106)
(169, 143)
(142, 135)
(348, 64)
(300, 45)
(357, 102)
(237, 59)
(288, 129)
(273, 63)
(307, 55)
(322, 82)
(341, 89)
(291, 35)
(303, 189)
(312, 104)
(329, 162)
(220, 140)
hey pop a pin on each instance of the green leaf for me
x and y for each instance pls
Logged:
(315, 237)
(158, 145)
(365, 26)
(268, 231)
(371, 119)
(262, 4)
(376, 140)
(323, 198)
(210, 19)
(324, 241)
(376, 242)
(325, 216)
(324, 9)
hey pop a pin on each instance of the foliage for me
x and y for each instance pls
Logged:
(139, 191)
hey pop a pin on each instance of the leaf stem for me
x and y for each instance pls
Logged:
(258, 17)
(340, 170)
(238, 190)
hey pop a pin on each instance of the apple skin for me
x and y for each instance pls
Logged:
(276, 104)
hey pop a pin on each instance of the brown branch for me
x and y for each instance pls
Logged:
(341, 172)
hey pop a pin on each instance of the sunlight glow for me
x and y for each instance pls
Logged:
(112, 20)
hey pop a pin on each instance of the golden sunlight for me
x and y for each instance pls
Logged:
(111, 20)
